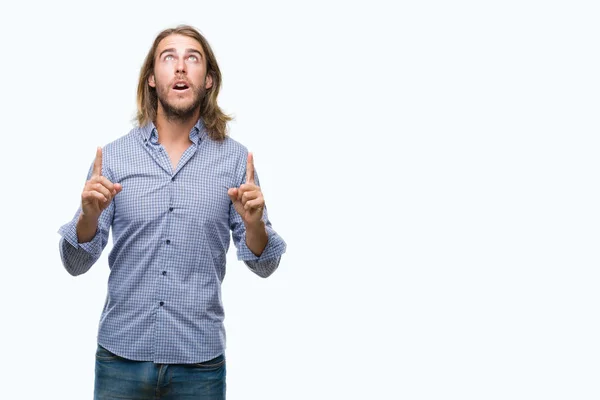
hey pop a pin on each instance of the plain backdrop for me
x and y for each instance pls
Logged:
(433, 167)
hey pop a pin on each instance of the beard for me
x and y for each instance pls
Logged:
(180, 112)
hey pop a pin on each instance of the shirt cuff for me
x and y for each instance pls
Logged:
(275, 248)
(69, 233)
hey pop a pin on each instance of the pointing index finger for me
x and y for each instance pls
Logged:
(250, 169)
(98, 163)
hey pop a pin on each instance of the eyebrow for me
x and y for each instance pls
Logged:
(172, 50)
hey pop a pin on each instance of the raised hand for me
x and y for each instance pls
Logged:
(98, 191)
(248, 199)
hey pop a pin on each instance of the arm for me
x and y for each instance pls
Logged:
(79, 256)
(86, 235)
(258, 245)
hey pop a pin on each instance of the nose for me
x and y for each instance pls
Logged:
(180, 67)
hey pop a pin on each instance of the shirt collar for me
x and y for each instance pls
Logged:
(198, 132)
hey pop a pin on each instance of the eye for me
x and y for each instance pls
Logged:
(168, 57)
(193, 58)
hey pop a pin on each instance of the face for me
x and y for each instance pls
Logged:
(179, 76)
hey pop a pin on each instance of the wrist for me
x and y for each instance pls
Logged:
(86, 228)
(256, 237)
(87, 219)
(256, 228)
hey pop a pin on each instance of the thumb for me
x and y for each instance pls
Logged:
(118, 187)
(233, 193)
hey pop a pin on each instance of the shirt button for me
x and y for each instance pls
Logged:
(164, 272)
(173, 179)
(170, 208)
(168, 241)
(162, 303)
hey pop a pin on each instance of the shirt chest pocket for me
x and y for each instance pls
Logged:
(206, 203)
(143, 200)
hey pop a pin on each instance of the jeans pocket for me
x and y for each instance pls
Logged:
(105, 355)
(211, 365)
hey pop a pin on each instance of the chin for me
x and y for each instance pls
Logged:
(181, 104)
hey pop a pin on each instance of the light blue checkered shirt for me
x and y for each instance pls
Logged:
(170, 233)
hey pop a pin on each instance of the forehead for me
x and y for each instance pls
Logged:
(179, 43)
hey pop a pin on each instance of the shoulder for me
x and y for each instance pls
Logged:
(228, 144)
(123, 143)
(122, 150)
(133, 135)
(228, 147)
(228, 154)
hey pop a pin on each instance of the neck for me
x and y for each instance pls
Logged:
(174, 131)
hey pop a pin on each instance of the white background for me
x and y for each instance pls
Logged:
(433, 167)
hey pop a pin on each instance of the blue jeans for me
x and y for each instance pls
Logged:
(120, 378)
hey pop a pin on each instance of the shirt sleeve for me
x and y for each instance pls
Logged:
(265, 264)
(78, 258)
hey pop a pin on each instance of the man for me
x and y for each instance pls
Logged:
(171, 190)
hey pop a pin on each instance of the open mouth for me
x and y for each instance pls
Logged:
(180, 86)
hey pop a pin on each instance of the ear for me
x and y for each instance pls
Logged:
(208, 81)
(151, 81)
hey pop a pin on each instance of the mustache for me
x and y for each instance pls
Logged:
(181, 80)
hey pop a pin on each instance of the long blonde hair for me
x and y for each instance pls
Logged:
(213, 117)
